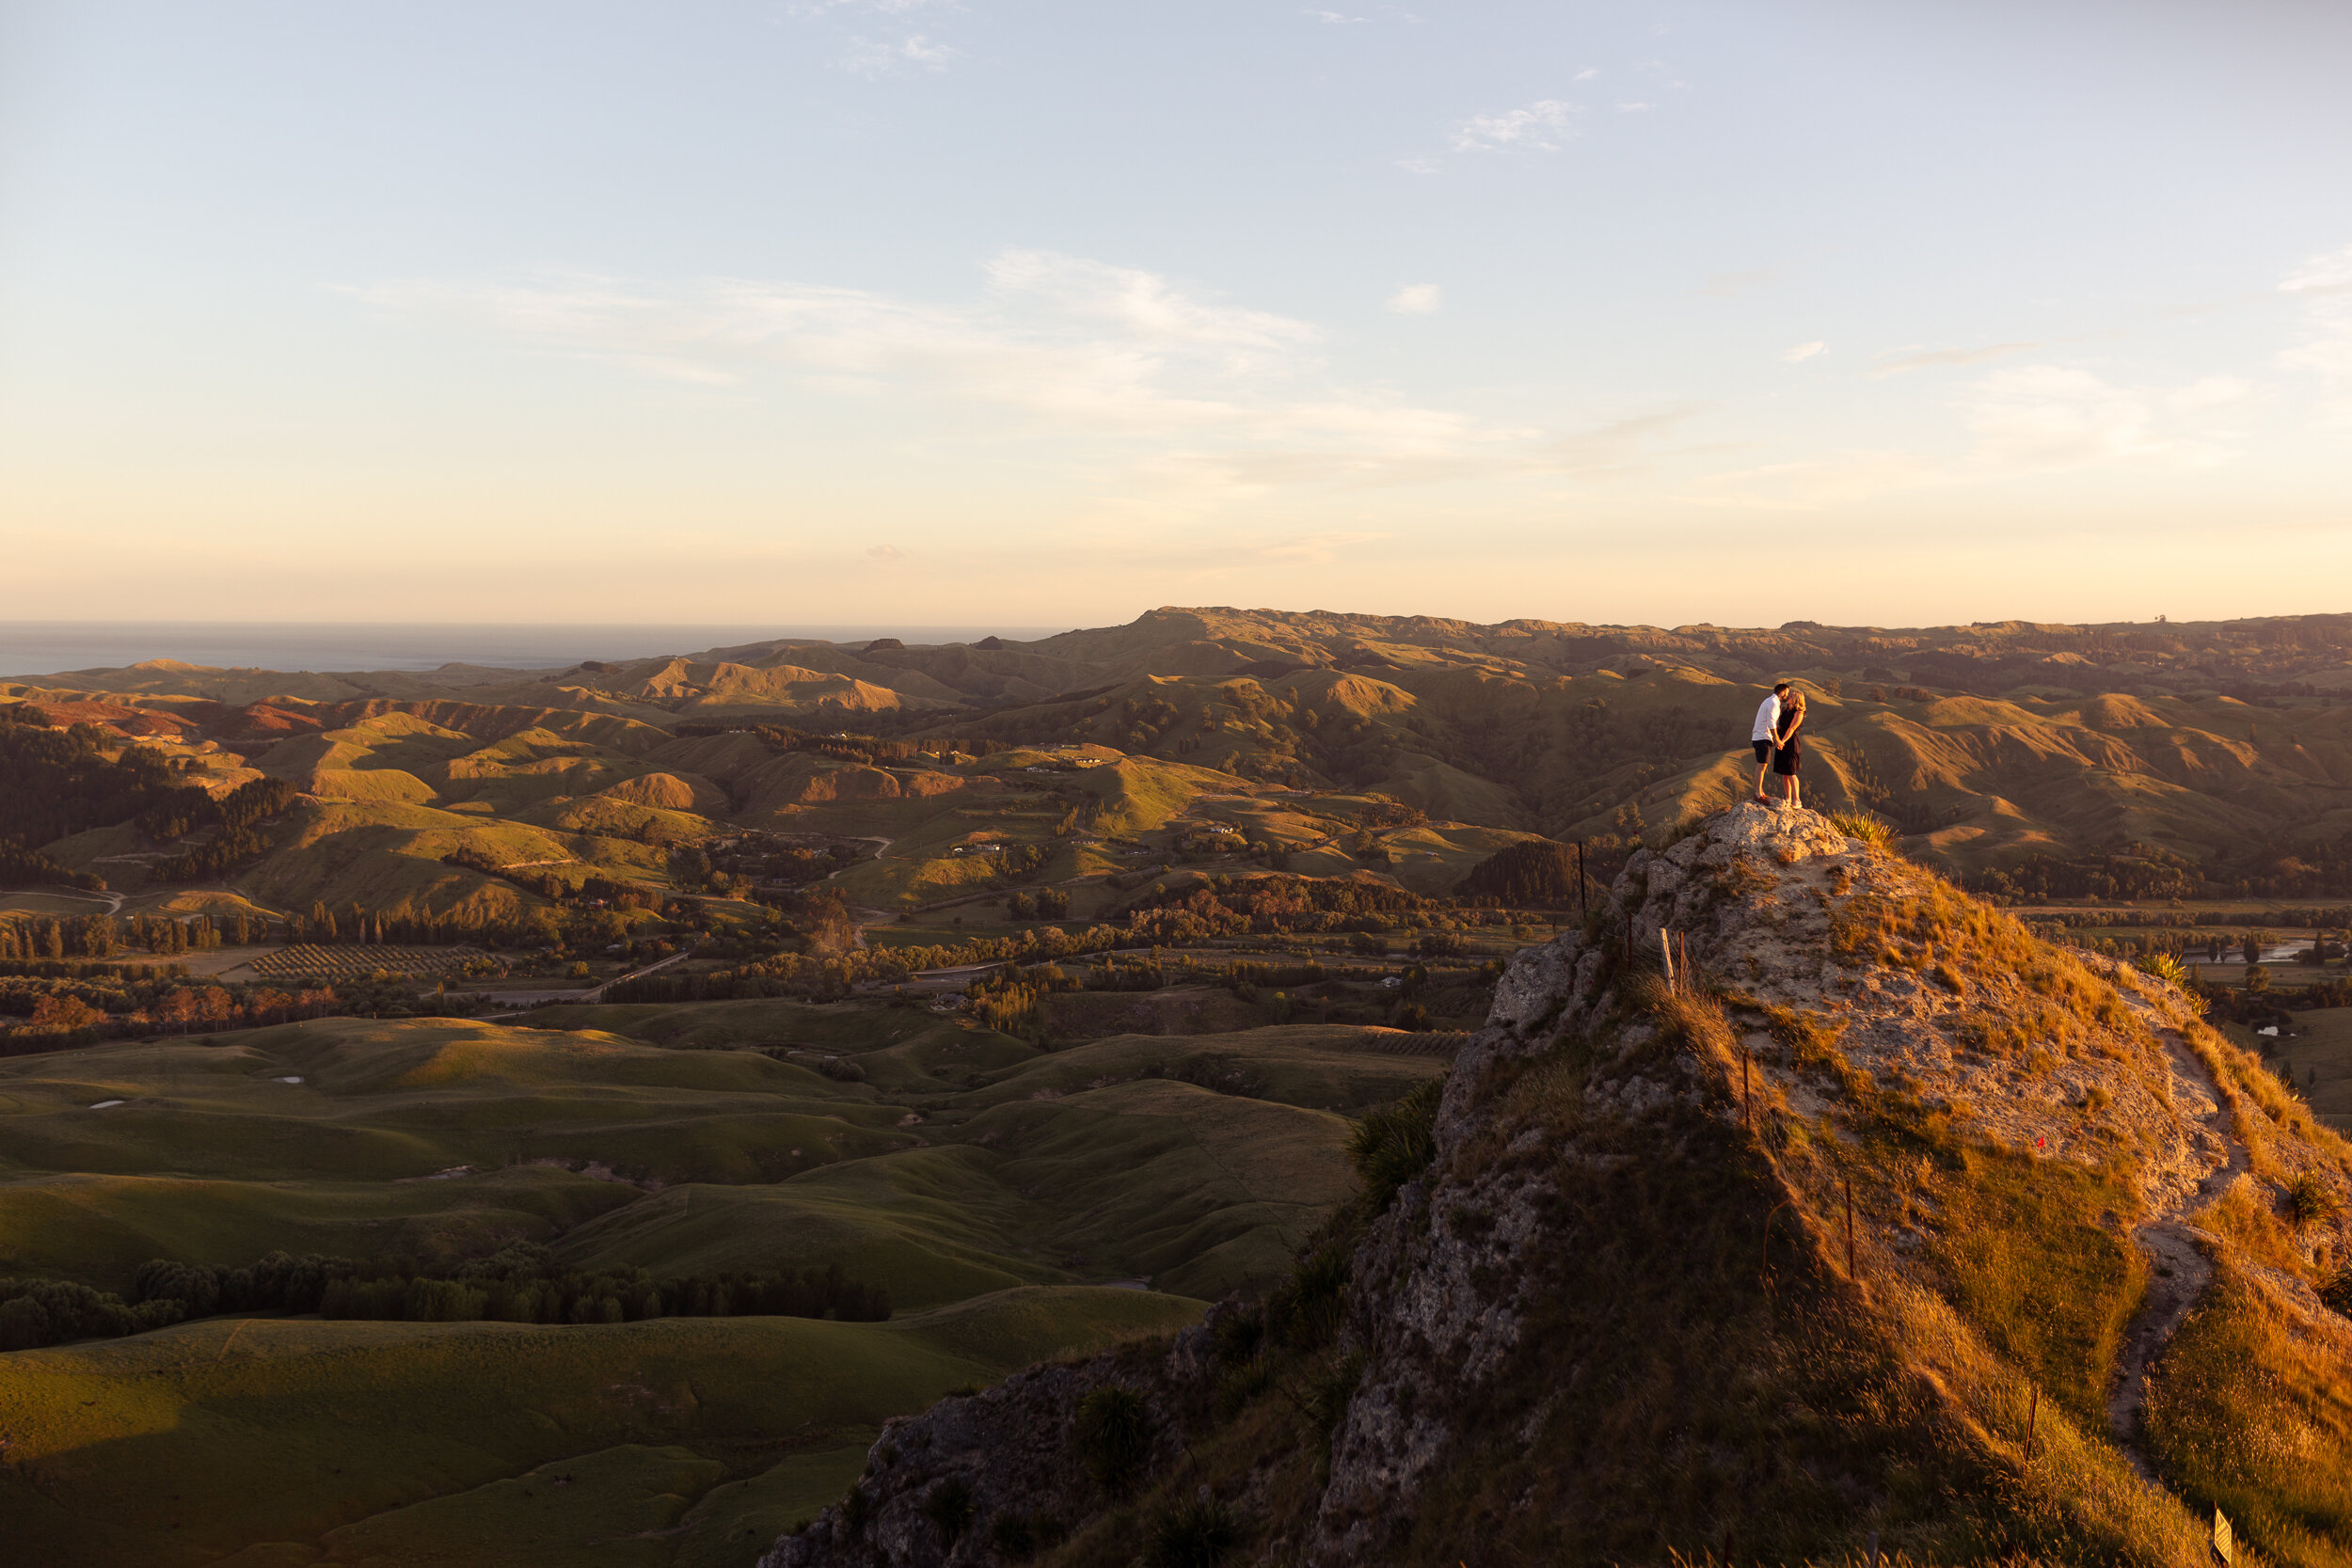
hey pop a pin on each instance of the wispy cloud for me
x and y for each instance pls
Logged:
(2325, 285)
(1125, 354)
(1804, 352)
(811, 8)
(2328, 274)
(1903, 362)
(1806, 485)
(914, 53)
(2043, 417)
(1544, 126)
(1620, 444)
(1337, 19)
(2030, 420)
(907, 53)
(1417, 299)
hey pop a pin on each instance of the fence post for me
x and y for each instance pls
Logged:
(1849, 1268)
(2033, 1418)
(1583, 903)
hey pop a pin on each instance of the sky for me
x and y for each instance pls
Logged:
(919, 312)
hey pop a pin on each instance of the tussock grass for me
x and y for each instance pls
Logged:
(1393, 1144)
(1874, 832)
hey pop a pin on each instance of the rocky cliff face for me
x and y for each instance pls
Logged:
(1847, 1232)
(997, 1475)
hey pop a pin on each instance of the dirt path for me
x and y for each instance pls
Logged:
(2181, 1273)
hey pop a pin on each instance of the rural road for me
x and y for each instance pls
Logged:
(586, 993)
(112, 900)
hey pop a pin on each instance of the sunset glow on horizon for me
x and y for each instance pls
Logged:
(913, 312)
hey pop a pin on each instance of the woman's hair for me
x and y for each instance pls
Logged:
(1794, 704)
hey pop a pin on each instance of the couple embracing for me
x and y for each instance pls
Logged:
(1778, 748)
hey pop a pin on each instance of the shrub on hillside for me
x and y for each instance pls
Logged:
(1199, 1534)
(1305, 1309)
(1017, 1537)
(1113, 1437)
(949, 1506)
(1395, 1144)
(1874, 831)
(2311, 1201)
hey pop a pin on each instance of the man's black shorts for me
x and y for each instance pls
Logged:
(1763, 752)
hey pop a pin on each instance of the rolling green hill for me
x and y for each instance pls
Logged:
(991, 1187)
(421, 1443)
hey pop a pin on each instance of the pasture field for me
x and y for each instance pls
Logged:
(965, 1163)
(1196, 1162)
(992, 1187)
(2317, 1049)
(293, 1441)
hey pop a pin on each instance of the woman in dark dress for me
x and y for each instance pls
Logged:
(1788, 751)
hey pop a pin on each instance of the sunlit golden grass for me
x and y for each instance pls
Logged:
(2253, 1412)
(2048, 1285)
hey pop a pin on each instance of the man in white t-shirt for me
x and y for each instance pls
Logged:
(1767, 730)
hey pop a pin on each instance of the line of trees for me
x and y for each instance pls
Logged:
(872, 750)
(518, 1285)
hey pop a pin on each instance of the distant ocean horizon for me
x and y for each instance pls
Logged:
(64, 647)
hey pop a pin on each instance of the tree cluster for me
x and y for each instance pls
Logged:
(2135, 871)
(240, 842)
(54, 784)
(1046, 903)
(38, 1312)
(1532, 874)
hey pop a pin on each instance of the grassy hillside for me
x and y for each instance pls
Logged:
(962, 1162)
(1992, 749)
(186, 1445)
(981, 1181)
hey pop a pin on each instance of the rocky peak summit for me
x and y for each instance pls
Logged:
(1882, 1217)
